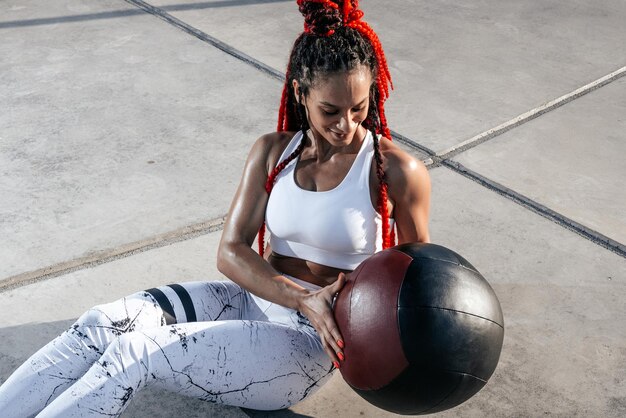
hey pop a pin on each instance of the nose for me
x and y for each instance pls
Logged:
(345, 124)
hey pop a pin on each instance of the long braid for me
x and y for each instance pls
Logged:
(352, 18)
(383, 198)
(388, 233)
(269, 185)
(282, 116)
(287, 115)
(271, 178)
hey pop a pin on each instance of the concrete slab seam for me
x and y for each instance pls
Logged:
(587, 233)
(122, 13)
(428, 162)
(529, 115)
(68, 19)
(108, 255)
(162, 14)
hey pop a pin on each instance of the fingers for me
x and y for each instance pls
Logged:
(331, 353)
(334, 342)
(341, 281)
(333, 350)
(319, 311)
(331, 339)
(336, 288)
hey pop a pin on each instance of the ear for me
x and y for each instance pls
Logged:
(296, 90)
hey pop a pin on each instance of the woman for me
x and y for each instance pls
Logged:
(339, 188)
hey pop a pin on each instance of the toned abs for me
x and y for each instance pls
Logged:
(308, 271)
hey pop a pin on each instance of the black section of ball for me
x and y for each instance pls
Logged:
(451, 329)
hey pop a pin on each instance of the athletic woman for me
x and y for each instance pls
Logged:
(331, 188)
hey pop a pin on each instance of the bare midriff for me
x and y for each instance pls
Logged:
(308, 271)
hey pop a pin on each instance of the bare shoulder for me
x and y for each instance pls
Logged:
(269, 147)
(400, 167)
(409, 190)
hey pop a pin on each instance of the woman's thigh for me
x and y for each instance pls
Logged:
(207, 301)
(253, 364)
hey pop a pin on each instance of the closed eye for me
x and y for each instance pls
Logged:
(334, 112)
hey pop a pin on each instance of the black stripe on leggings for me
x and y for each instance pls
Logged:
(164, 303)
(182, 293)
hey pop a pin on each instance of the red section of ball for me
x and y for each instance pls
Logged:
(366, 311)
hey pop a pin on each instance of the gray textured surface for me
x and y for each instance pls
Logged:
(89, 105)
(91, 91)
(580, 148)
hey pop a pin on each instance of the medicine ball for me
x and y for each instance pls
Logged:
(422, 328)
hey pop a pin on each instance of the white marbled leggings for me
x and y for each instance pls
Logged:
(210, 340)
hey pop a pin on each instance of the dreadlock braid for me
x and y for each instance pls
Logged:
(388, 239)
(269, 184)
(335, 39)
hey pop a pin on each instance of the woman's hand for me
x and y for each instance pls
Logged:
(317, 307)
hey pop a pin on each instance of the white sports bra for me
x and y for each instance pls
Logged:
(338, 228)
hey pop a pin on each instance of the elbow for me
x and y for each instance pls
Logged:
(223, 256)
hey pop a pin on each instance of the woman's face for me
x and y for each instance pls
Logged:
(337, 104)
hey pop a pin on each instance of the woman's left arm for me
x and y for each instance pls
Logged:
(409, 191)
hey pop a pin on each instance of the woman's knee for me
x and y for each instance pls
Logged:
(95, 316)
(102, 323)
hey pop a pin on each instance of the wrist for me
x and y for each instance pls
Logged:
(299, 296)
(293, 294)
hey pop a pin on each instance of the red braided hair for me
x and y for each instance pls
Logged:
(351, 18)
(269, 185)
(322, 21)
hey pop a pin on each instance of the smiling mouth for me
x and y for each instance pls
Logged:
(339, 134)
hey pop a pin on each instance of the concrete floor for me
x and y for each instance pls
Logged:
(123, 134)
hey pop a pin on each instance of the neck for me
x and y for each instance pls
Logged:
(324, 150)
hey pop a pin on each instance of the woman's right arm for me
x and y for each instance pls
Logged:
(235, 258)
(239, 262)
